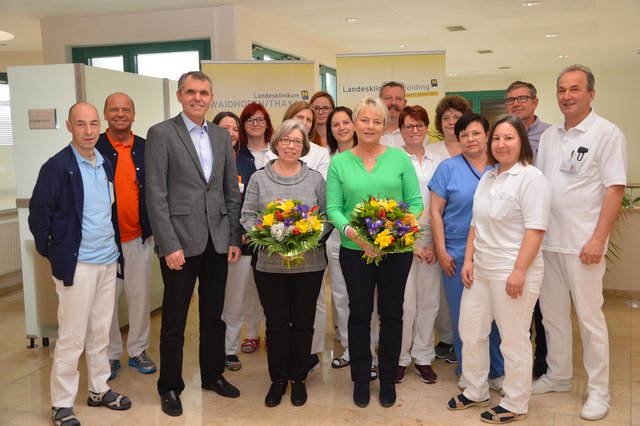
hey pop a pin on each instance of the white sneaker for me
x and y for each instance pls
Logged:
(496, 384)
(462, 384)
(545, 384)
(594, 409)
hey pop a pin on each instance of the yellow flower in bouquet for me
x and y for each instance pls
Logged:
(267, 219)
(303, 226)
(383, 239)
(386, 224)
(288, 228)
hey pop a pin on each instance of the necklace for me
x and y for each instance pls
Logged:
(476, 163)
(279, 171)
(370, 159)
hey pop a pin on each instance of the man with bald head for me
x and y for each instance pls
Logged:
(126, 153)
(70, 219)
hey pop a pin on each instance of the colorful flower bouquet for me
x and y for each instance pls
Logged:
(288, 228)
(385, 224)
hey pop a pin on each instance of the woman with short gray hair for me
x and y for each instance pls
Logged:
(288, 295)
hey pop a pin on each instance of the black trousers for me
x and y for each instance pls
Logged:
(540, 358)
(390, 276)
(210, 268)
(289, 304)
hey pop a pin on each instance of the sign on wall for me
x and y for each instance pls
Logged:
(422, 73)
(275, 84)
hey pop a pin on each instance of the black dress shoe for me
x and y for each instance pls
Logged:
(171, 404)
(274, 396)
(298, 393)
(387, 394)
(361, 394)
(222, 388)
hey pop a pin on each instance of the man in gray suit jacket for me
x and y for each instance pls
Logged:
(193, 202)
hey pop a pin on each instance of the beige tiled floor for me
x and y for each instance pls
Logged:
(24, 386)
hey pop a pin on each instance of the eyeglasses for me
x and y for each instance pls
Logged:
(286, 142)
(520, 99)
(410, 127)
(258, 121)
(322, 109)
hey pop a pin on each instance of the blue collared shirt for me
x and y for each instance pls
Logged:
(535, 131)
(202, 143)
(98, 244)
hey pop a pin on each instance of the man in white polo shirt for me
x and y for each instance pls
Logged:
(585, 161)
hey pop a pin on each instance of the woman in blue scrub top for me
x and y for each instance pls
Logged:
(452, 187)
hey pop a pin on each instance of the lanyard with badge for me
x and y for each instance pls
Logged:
(574, 163)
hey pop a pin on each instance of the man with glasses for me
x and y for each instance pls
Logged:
(392, 94)
(521, 100)
(194, 207)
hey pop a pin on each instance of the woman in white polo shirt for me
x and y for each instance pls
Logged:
(503, 271)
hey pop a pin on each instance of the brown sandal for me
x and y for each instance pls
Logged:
(499, 415)
(461, 402)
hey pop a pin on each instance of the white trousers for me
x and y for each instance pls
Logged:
(421, 301)
(137, 287)
(339, 295)
(320, 322)
(253, 315)
(443, 320)
(84, 317)
(485, 300)
(239, 278)
(567, 279)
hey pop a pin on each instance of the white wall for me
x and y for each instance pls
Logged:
(622, 273)
(59, 35)
(225, 26)
(270, 33)
(8, 59)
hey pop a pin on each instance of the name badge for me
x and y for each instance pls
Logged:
(570, 165)
(574, 163)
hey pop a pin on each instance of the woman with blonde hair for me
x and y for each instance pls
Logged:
(353, 175)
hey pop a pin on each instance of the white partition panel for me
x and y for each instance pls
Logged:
(174, 106)
(58, 87)
(37, 87)
(147, 94)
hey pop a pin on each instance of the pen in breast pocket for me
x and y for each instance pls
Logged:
(581, 151)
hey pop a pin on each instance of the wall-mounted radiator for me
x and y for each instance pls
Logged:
(9, 243)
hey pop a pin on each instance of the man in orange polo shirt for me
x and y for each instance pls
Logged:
(126, 153)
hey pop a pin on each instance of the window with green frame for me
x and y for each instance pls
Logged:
(163, 59)
(328, 81)
(488, 103)
(261, 53)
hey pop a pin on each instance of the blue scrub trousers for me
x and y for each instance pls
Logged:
(453, 291)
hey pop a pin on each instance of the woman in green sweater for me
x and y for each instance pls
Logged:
(372, 169)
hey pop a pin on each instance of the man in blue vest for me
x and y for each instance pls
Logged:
(70, 219)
